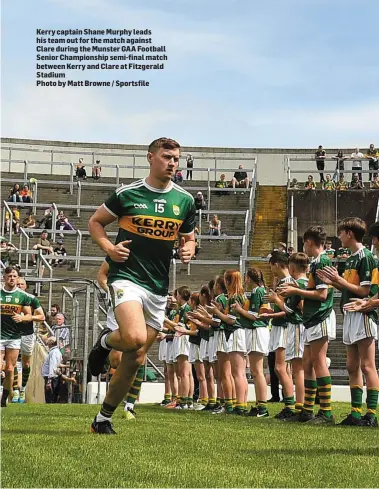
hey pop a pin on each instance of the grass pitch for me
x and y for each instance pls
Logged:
(51, 446)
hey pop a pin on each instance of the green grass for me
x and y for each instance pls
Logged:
(51, 446)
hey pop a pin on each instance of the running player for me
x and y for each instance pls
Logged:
(27, 341)
(115, 356)
(15, 309)
(320, 327)
(359, 329)
(151, 212)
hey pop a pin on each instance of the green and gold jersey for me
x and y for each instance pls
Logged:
(12, 301)
(171, 314)
(331, 253)
(28, 328)
(244, 302)
(181, 314)
(315, 311)
(255, 303)
(343, 251)
(223, 300)
(282, 321)
(292, 304)
(360, 270)
(152, 219)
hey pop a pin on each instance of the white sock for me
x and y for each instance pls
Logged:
(128, 405)
(22, 389)
(100, 418)
(103, 342)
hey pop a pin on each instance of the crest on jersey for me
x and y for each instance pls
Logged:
(17, 300)
(120, 294)
(176, 210)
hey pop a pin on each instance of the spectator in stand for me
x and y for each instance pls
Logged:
(63, 224)
(42, 244)
(7, 250)
(178, 176)
(15, 220)
(26, 195)
(60, 252)
(342, 184)
(328, 184)
(61, 331)
(356, 183)
(189, 161)
(14, 195)
(294, 184)
(221, 184)
(290, 250)
(81, 170)
(373, 161)
(374, 184)
(200, 203)
(50, 318)
(329, 251)
(29, 222)
(310, 184)
(240, 179)
(357, 162)
(320, 157)
(215, 226)
(340, 165)
(50, 371)
(47, 221)
(96, 170)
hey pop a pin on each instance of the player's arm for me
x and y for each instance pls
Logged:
(273, 315)
(102, 276)
(187, 244)
(319, 294)
(25, 317)
(38, 315)
(227, 319)
(330, 274)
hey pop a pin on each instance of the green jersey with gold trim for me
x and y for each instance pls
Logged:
(152, 219)
(12, 301)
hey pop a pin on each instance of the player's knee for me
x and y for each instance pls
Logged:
(352, 367)
(367, 368)
(9, 369)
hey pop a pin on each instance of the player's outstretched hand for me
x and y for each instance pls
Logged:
(120, 252)
(359, 305)
(185, 251)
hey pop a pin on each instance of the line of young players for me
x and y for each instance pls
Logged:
(215, 329)
(19, 310)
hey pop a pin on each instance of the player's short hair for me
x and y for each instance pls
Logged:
(374, 230)
(165, 143)
(184, 292)
(328, 242)
(10, 269)
(300, 261)
(355, 225)
(316, 234)
(279, 258)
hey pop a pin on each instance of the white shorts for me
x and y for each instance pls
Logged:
(162, 354)
(237, 341)
(27, 344)
(326, 328)
(257, 340)
(222, 344)
(357, 327)
(204, 350)
(169, 352)
(10, 344)
(180, 346)
(111, 320)
(278, 338)
(153, 305)
(295, 341)
(212, 347)
(194, 353)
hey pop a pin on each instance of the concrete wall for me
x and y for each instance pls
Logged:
(271, 167)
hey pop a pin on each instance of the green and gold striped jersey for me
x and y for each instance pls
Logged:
(12, 301)
(255, 303)
(315, 311)
(292, 304)
(152, 219)
(243, 301)
(360, 270)
(223, 300)
(282, 321)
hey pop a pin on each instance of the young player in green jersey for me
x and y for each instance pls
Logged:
(152, 213)
(257, 338)
(330, 252)
(15, 310)
(293, 307)
(359, 329)
(278, 336)
(320, 326)
(168, 334)
(27, 342)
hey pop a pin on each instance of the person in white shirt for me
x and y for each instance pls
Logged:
(357, 162)
(49, 371)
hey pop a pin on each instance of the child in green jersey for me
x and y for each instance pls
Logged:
(257, 338)
(320, 325)
(359, 329)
